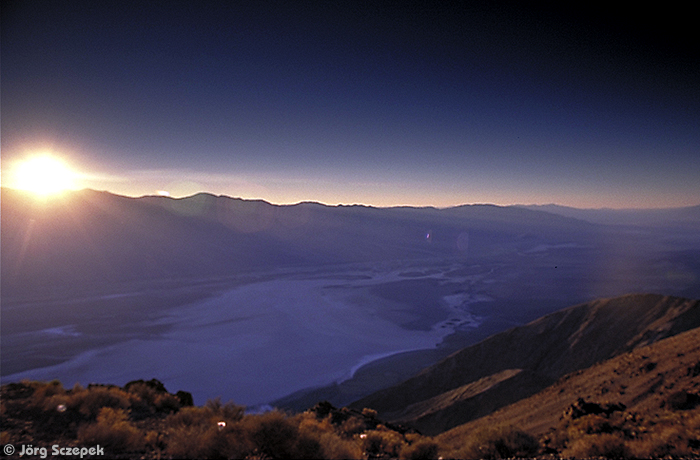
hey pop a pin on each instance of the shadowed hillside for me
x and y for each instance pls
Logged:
(520, 362)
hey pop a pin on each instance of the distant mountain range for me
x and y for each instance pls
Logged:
(518, 363)
(87, 238)
(687, 216)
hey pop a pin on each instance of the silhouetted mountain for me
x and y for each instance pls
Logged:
(86, 238)
(520, 362)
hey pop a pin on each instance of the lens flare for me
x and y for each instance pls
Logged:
(44, 175)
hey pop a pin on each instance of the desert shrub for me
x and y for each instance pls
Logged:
(190, 441)
(273, 434)
(232, 441)
(352, 427)
(154, 440)
(381, 442)
(147, 399)
(113, 431)
(90, 401)
(309, 447)
(332, 443)
(423, 449)
(45, 397)
(670, 437)
(369, 413)
(606, 445)
(569, 431)
(44, 390)
(226, 411)
(196, 433)
(307, 422)
(589, 424)
(190, 416)
(46, 405)
(500, 442)
(191, 433)
(185, 398)
(335, 447)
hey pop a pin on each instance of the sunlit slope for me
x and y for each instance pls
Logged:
(649, 382)
(87, 238)
(522, 361)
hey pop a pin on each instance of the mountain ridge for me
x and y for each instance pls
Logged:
(559, 343)
(643, 398)
(89, 237)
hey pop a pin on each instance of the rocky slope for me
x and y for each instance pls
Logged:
(645, 401)
(518, 363)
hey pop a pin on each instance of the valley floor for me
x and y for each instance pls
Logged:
(264, 340)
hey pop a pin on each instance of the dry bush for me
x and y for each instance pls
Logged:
(153, 440)
(352, 426)
(45, 404)
(226, 411)
(605, 445)
(190, 441)
(216, 430)
(570, 431)
(44, 393)
(308, 446)
(222, 431)
(662, 434)
(335, 447)
(422, 449)
(382, 442)
(146, 400)
(190, 416)
(113, 431)
(333, 443)
(90, 401)
(589, 424)
(190, 432)
(499, 442)
(670, 442)
(369, 413)
(195, 432)
(308, 422)
(670, 435)
(273, 434)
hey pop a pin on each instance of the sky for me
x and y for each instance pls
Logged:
(378, 103)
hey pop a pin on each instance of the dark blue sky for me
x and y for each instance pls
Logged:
(358, 102)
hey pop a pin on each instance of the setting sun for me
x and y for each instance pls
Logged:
(44, 175)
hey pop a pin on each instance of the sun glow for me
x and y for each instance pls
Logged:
(44, 175)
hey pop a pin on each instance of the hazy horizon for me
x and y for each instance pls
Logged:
(544, 205)
(375, 103)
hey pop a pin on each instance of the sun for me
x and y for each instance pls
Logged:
(44, 175)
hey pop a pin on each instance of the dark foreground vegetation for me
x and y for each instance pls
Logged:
(143, 420)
